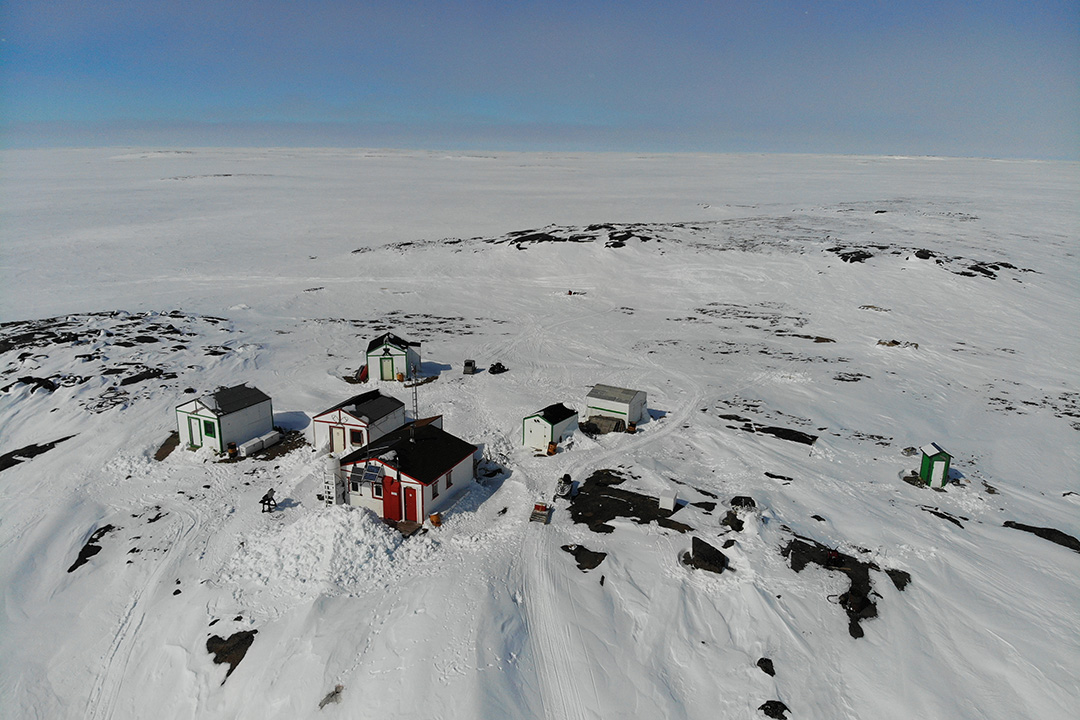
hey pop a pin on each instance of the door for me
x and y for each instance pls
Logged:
(386, 368)
(337, 438)
(194, 431)
(937, 474)
(391, 498)
(411, 511)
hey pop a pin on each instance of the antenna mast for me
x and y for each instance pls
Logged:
(415, 405)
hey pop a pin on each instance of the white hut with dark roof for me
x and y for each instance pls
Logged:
(227, 415)
(390, 357)
(549, 425)
(357, 421)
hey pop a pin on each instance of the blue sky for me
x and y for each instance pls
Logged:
(984, 78)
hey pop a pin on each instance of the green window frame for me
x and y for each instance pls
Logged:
(208, 429)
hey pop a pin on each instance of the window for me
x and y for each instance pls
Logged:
(208, 428)
(356, 437)
(355, 486)
(435, 490)
(376, 490)
(449, 480)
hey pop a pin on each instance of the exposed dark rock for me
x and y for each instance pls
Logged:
(15, 457)
(744, 502)
(776, 476)
(732, 521)
(782, 433)
(230, 650)
(818, 518)
(598, 501)
(168, 446)
(923, 254)
(586, 559)
(705, 505)
(766, 666)
(1054, 536)
(36, 384)
(856, 601)
(704, 556)
(774, 709)
(900, 578)
(91, 548)
(147, 374)
(955, 520)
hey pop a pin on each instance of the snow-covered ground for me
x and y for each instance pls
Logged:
(740, 292)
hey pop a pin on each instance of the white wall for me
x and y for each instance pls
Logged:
(461, 476)
(243, 425)
(536, 432)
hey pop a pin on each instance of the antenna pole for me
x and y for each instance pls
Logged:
(415, 405)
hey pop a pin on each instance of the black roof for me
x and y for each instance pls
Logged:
(372, 405)
(425, 452)
(392, 339)
(556, 413)
(230, 399)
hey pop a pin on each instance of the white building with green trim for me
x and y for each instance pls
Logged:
(549, 425)
(389, 356)
(934, 470)
(227, 415)
(615, 402)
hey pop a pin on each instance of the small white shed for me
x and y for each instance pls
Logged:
(227, 415)
(389, 356)
(616, 402)
(549, 425)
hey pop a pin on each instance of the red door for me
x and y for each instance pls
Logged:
(411, 513)
(391, 498)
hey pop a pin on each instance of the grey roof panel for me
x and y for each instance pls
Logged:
(372, 405)
(224, 401)
(615, 394)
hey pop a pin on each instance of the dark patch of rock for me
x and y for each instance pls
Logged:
(766, 666)
(230, 650)
(1051, 534)
(170, 444)
(13, 458)
(900, 578)
(732, 521)
(955, 520)
(597, 502)
(586, 559)
(744, 502)
(704, 556)
(780, 432)
(774, 709)
(91, 548)
(776, 476)
(147, 374)
(705, 505)
(856, 601)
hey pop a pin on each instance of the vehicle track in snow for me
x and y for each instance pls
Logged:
(102, 700)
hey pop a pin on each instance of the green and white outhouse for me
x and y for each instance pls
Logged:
(935, 465)
(389, 356)
(227, 415)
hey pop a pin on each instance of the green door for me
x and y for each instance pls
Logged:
(386, 368)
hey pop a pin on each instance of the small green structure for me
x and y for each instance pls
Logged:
(935, 465)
